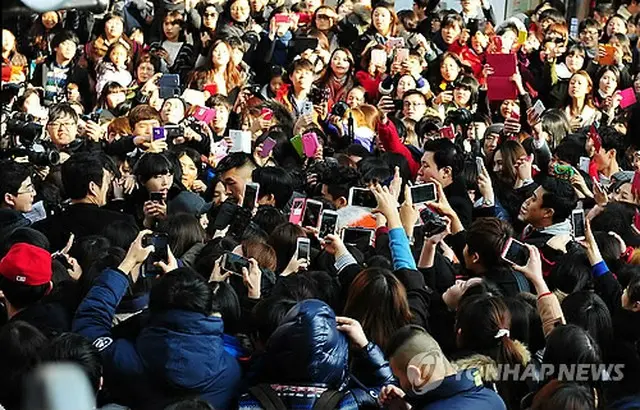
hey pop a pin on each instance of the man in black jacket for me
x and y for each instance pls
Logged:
(86, 179)
(441, 162)
(61, 69)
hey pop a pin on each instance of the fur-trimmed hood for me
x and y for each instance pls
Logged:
(487, 367)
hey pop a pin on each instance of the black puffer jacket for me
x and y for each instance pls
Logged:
(307, 349)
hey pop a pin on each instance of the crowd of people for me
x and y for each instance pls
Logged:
(264, 204)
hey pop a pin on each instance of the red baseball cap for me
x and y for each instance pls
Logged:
(27, 264)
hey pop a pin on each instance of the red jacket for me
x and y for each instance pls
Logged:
(390, 141)
(370, 84)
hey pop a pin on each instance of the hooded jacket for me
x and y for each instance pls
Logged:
(308, 350)
(177, 354)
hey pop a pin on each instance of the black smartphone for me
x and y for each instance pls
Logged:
(160, 242)
(398, 104)
(328, 223)
(169, 86)
(357, 236)
(423, 193)
(156, 197)
(304, 43)
(577, 224)
(250, 197)
(311, 215)
(234, 263)
(362, 197)
(515, 252)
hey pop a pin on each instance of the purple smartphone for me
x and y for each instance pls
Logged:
(267, 147)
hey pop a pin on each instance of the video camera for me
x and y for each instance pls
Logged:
(27, 139)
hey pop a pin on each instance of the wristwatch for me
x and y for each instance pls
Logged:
(486, 203)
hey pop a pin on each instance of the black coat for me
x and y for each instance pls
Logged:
(81, 220)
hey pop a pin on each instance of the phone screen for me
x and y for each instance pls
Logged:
(363, 197)
(423, 193)
(517, 253)
(160, 243)
(328, 224)
(234, 263)
(577, 222)
(156, 196)
(250, 196)
(312, 214)
(357, 236)
(304, 248)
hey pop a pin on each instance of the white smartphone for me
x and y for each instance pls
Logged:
(303, 247)
(362, 197)
(538, 108)
(328, 223)
(311, 214)
(584, 164)
(423, 193)
(578, 226)
(250, 195)
(515, 252)
(479, 165)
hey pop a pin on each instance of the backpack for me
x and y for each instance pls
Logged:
(269, 399)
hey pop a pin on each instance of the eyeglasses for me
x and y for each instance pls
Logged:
(67, 125)
(210, 15)
(408, 104)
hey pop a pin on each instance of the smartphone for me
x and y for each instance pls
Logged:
(402, 54)
(169, 86)
(281, 18)
(307, 108)
(584, 164)
(515, 252)
(302, 44)
(160, 242)
(479, 165)
(169, 81)
(158, 133)
(234, 263)
(156, 197)
(357, 236)
(267, 147)
(577, 224)
(328, 223)
(250, 196)
(378, 57)
(296, 142)
(297, 209)
(303, 248)
(362, 197)
(398, 105)
(311, 214)
(395, 42)
(538, 108)
(423, 193)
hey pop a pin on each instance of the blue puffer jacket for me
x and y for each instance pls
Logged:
(179, 353)
(308, 349)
